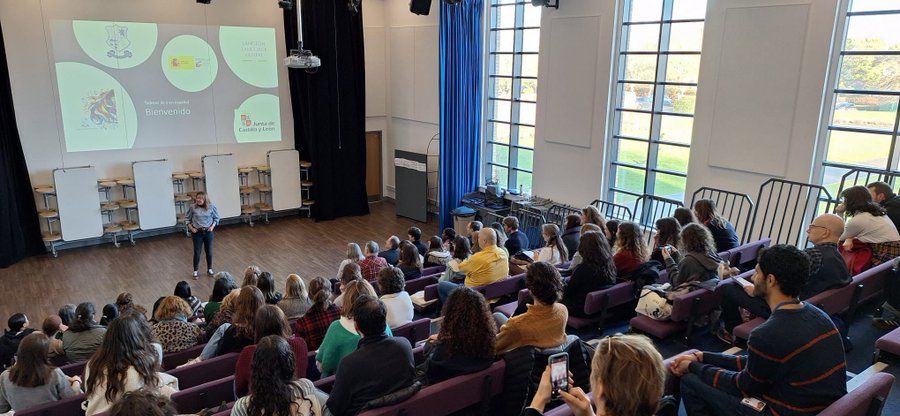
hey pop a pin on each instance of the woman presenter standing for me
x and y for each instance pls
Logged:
(201, 220)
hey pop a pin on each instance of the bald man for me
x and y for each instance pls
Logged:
(486, 266)
(827, 271)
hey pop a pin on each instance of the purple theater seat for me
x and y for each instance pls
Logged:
(431, 292)
(872, 281)
(860, 402)
(510, 308)
(205, 371)
(206, 395)
(174, 359)
(889, 342)
(500, 288)
(748, 252)
(74, 369)
(743, 330)
(598, 303)
(414, 331)
(428, 271)
(64, 407)
(449, 396)
(415, 285)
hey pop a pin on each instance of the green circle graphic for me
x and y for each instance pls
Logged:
(97, 112)
(189, 63)
(258, 119)
(117, 45)
(251, 54)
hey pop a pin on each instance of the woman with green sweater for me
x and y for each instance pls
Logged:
(341, 338)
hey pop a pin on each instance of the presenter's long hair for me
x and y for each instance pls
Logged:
(206, 203)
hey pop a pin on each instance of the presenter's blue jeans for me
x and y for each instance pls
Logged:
(203, 240)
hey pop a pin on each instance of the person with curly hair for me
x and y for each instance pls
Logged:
(396, 300)
(668, 233)
(465, 343)
(143, 402)
(172, 328)
(274, 389)
(251, 275)
(595, 271)
(699, 263)
(544, 323)
(631, 249)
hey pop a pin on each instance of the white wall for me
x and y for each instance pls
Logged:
(34, 92)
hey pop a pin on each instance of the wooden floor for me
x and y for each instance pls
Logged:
(38, 286)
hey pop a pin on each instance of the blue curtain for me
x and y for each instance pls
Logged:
(460, 90)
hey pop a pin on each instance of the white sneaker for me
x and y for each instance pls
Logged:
(209, 272)
(195, 275)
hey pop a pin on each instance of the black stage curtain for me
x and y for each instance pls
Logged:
(329, 106)
(20, 231)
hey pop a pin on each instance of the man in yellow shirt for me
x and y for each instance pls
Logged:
(486, 266)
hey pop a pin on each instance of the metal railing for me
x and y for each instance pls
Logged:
(530, 223)
(613, 211)
(651, 208)
(782, 209)
(853, 176)
(735, 207)
(558, 212)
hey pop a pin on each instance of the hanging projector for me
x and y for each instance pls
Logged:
(302, 59)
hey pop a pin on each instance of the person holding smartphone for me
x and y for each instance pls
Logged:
(202, 218)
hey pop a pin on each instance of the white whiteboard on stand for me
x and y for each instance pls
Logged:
(78, 202)
(155, 195)
(222, 185)
(285, 173)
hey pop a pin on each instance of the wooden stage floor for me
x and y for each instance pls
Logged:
(38, 286)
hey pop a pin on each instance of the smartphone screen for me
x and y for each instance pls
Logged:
(559, 373)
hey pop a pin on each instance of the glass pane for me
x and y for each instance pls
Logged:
(500, 175)
(528, 90)
(502, 88)
(503, 1)
(673, 158)
(686, 37)
(832, 179)
(637, 96)
(526, 113)
(626, 200)
(632, 152)
(531, 40)
(532, 16)
(676, 129)
(872, 5)
(873, 33)
(506, 16)
(501, 110)
(503, 40)
(525, 159)
(642, 38)
(634, 124)
(526, 136)
(680, 99)
(669, 186)
(865, 111)
(503, 64)
(630, 179)
(880, 73)
(524, 179)
(645, 10)
(640, 67)
(689, 9)
(865, 149)
(500, 154)
(500, 132)
(530, 65)
(683, 68)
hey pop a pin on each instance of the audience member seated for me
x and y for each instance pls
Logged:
(251, 276)
(342, 337)
(410, 261)
(84, 336)
(627, 378)
(397, 302)
(486, 266)
(576, 258)
(392, 254)
(544, 324)
(473, 228)
(234, 336)
(516, 241)
(668, 233)
(110, 312)
(595, 271)
(722, 231)
(296, 301)
(372, 264)
(465, 343)
(613, 227)
(884, 196)
(351, 273)
(796, 360)
(501, 234)
(684, 216)
(461, 252)
(269, 321)
(126, 361)
(553, 252)
(313, 325)
(172, 328)
(183, 290)
(827, 271)
(591, 215)
(448, 236)
(52, 327)
(631, 249)
(143, 402)
(354, 256)
(381, 365)
(124, 302)
(275, 388)
(32, 381)
(266, 285)
(67, 312)
(9, 342)
(868, 224)
(572, 234)
(223, 316)
(699, 263)
(436, 255)
(414, 236)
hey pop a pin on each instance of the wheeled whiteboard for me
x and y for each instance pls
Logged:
(155, 195)
(78, 202)
(285, 173)
(222, 185)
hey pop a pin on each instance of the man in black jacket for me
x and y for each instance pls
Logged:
(415, 237)
(884, 195)
(381, 364)
(9, 342)
(516, 241)
(392, 254)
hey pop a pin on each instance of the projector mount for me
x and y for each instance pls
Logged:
(300, 58)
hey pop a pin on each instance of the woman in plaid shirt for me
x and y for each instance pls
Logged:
(312, 326)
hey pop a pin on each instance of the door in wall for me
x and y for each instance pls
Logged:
(373, 165)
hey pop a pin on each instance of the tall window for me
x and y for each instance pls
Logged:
(862, 129)
(513, 41)
(656, 89)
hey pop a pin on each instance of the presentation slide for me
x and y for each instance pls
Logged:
(126, 85)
